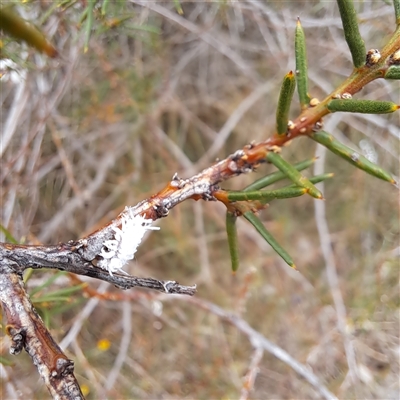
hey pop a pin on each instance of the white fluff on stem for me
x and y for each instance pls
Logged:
(118, 251)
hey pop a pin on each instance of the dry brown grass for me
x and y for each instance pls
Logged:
(108, 128)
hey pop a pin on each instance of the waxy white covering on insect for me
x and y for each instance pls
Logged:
(118, 251)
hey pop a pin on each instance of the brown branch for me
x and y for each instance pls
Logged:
(82, 256)
(28, 332)
(65, 257)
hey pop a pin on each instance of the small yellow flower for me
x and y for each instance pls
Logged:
(103, 344)
(85, 389)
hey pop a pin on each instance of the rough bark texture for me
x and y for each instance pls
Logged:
(28, 332)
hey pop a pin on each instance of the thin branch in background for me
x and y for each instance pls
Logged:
(84, 363)
(203, 35)
(21, 97)
(250, 378)
(8, 384)
(258, 341)
(123, 347)
(82, 317)
(65, 161)
(201, 243)
(234, 118)
(68, 208)
(331, 270)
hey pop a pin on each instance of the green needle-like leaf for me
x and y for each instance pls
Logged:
(46, 14)
(351, 156)
(47, 283)
(12, 24)
(28, 273)
(268, 195)
(319, 178)
(396, 4)
(63, 294)
(6, 362)
(255, 221)
(362, 106)
(49, 299)
(393, 72)
(89, 23)
(285, 99)
(277, 176)
(104, 7)
(178, 7)
(301, 65)
(62, 307)
(232, 239)
(295, 176)
(8, 236)
(351, 32)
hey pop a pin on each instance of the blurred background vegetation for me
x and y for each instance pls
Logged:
(146, 89)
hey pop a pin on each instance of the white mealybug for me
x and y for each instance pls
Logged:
(118, 251)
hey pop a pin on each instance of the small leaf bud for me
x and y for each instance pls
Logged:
(373, 56)
(394, 59)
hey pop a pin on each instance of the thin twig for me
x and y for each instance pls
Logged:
(207, 37)
(124, 345)
(82, 317)
(331, 270)
(259, 341)
(8, 384)
(250, 378)
(66, 258)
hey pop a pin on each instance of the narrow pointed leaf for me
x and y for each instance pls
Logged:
(46, 15)
(301, 65)
(285, 99)
(351, 32)
(62, 295)
(9, 237)
(319, 178)
(232, 239)
(362, 106)
(277, 176)
(50, 299)
(255, 221)
(104, 7)
(15, 26)
(393, 72)
(178, 7)
(89, 23)
(6, 362)
(268, 195)
(295, 176)
(396, 4)
(63, 307)
(351, 156)
(28, 273)
(67, 291)
(47, 283)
